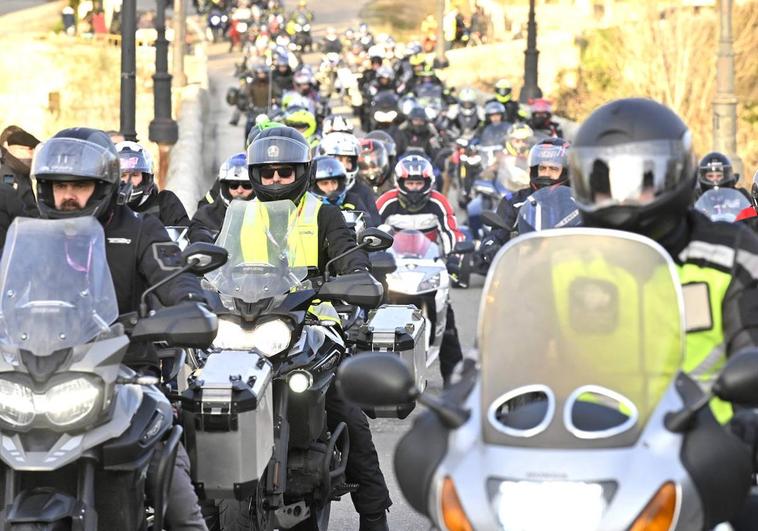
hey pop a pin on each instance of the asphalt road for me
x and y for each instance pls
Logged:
(386, 432)
(9, 6)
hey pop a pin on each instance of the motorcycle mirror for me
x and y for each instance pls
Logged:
(376, 379)
(373, 239)
(738, 381)
(202, 258)
(464, 247)
(491, 219)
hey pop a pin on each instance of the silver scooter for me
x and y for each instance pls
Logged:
(576, 416)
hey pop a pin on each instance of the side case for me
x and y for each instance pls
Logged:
(229, 423)
(400, 329)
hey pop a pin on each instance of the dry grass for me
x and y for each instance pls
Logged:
(402, 20)
(673, 61)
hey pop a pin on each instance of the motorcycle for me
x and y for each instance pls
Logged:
(299, 29)
(485, 195)
(254, 408)
(722, 204)
(548, 208)
(421, 276)
(592, 426)
(87, 442)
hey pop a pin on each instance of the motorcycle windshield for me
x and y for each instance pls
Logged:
(414, 244)
(57, 290)
(265, 251)
(722, 204)
(494, 134)
(580, 334)
(429, 96)
(548, 208)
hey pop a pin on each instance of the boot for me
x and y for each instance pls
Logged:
(374, 522)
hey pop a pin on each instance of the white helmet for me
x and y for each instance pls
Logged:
(343, 144)
(336, 123)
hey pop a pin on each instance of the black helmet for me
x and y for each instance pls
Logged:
(631, 167)
(389, 143)
(279, 146)
(325, 168)
(550, 154)
(135, 158)
(715, 171)
(373, 162)
(418, 114)
(75, 155)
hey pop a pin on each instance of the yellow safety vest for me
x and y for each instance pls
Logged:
(302, 242)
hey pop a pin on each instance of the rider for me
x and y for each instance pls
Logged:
(234, 183)
(144, 197)
(329, 182)
(345, 148)
(715, 171)
(374, 165)
(414, 193)
(278, 163)
(16, 150)
(418, 132)
(632, 168)
(77, 173)
(541, 120)
(548, 166)
(304, 121)
(504, 95)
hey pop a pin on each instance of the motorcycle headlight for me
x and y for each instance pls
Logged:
(70, 401)
(16, 403)
(384, 117)
(430, 282)
(63, 404)
(298, 27)
(269, 338)
(215, 20)
(307, 27)
(533, 505)
(241, 27)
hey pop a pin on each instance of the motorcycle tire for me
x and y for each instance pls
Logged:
(236, 515)
(318, 520)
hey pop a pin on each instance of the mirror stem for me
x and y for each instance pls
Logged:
(680, 421)
(172, 276)
(339, 257)
(451, 416)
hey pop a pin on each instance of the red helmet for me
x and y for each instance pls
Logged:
(414, 168)
(541, 105)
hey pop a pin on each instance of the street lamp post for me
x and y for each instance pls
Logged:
(180, 27)
(440, 44)
(128, 70)
(163, 130)
(530, 88)
(725, 101)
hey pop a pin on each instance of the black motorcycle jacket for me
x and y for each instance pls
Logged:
(15, 175)
(366, 196)
(11, 207)
(513, 112)
(427, 140)
(335, 238)
(166, 206)
(207, 222)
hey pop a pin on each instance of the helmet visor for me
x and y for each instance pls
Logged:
(60, 158)
(133, 161)
(273, 150)
(633, 174)
(548, 155)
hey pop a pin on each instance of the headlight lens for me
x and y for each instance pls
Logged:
(16, 403)
(63, 404)
(269, 338)
(533, 505)
(70, 401)
(430, 282)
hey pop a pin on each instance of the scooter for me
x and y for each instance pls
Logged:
(87, 442)
(254, 407)
(592, 426)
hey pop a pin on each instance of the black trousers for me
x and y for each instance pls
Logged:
(372, 496)
(450, 349)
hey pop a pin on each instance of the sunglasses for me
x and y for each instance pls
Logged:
(244, 186)
(283, 171)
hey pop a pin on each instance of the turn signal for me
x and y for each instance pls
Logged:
(660, 512)
(452, 511)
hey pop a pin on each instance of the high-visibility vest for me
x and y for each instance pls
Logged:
(302, 242)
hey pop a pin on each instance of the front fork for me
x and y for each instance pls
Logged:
(276, 480)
